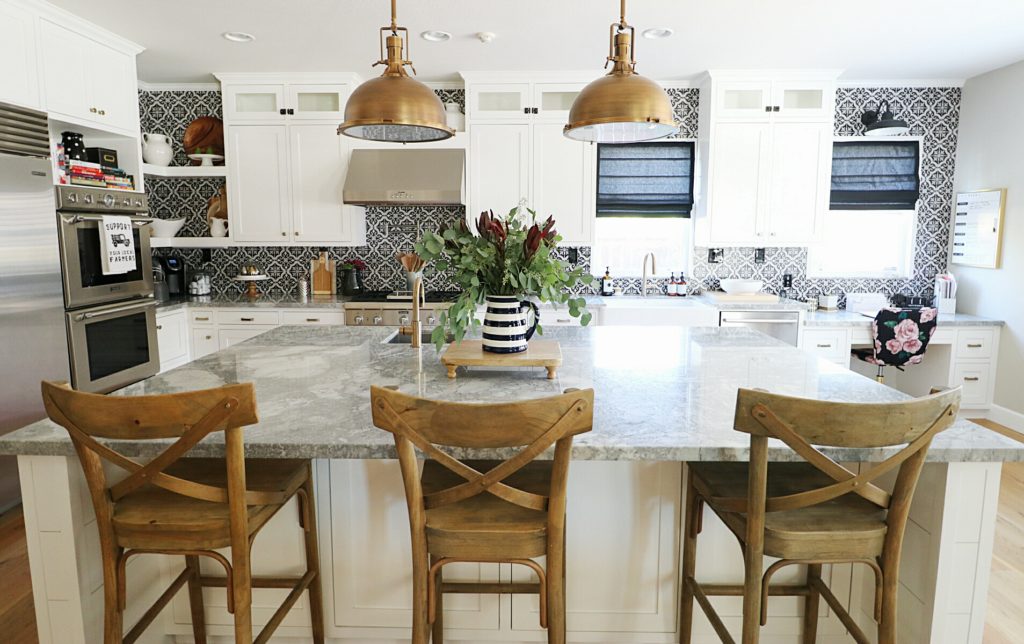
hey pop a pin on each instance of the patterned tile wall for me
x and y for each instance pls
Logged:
(170, 112)
(932, 113)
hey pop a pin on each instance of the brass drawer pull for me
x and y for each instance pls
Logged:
(209, 337)
(312, 319)
(247, 319)
(974, 346)
(198, 319)
(971, 379)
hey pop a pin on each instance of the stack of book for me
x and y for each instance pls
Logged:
(86, 173)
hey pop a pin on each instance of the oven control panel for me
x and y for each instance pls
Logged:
(74, 198)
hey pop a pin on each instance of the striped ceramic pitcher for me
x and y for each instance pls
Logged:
(506, 326)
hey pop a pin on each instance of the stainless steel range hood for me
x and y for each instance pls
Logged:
(405, 177)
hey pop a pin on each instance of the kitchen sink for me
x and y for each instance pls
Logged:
(400, 338)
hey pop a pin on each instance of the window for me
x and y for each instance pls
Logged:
(644, 199)
(875, 175)
(871, 225)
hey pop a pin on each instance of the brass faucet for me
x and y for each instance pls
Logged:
(654, 271)
(414, 324)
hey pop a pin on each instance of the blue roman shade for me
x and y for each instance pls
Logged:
(645, 179)
(875, 175)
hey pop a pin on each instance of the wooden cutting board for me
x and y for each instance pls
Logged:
(322, 276)
(470, 353)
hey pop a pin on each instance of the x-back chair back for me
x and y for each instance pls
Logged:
(803, 424)
(532, 426)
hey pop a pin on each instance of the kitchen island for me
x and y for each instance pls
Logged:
(664, 395)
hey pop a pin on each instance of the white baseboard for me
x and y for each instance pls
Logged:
(1007, 417)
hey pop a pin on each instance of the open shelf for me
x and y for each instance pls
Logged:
(189, 242)
(185, 170)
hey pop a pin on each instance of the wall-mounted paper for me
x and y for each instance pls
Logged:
(978, 228)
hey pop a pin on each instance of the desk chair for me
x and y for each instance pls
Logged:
(900, 338)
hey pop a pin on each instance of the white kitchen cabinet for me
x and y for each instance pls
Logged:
(739, 181)
(625, 516)
(564, 172)
(499, 173)
(204, 342)
(286, 182)
(257, 158)
(280, 102)
(319, 162)
(766, 159)
(87, 81)
(534, 161)
(19, 78)
(228, 336)
(498, 101)
(172, 338)
(655, 311)
(554, 100)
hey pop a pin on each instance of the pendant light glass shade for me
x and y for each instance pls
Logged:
(395, 107)
(622, 107)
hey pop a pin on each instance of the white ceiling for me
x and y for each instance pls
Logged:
(908, 39)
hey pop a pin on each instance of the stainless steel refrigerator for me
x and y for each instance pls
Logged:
(33, 340)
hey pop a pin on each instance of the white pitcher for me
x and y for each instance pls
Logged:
(156, 149)
(218, 227)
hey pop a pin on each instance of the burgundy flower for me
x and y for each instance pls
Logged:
(483, 226)
(532, 242)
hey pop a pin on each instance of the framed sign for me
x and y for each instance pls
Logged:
(978, 228)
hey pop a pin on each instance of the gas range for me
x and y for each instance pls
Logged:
(394, 308)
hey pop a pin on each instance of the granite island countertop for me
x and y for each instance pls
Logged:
(662, 394)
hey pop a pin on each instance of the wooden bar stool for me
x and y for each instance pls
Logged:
(814, 512)
(189, 507)
(485, 511)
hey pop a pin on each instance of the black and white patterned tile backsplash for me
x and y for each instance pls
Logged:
(932, 113)
(170, 112)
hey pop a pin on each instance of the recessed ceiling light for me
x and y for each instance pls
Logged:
(238, 36)
(434, 35)
(658, 32)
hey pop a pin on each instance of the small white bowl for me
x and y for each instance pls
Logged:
(167, 227)
(741, 287)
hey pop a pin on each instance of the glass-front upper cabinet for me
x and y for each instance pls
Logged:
(499, 101)
(253, 102)
(317, 101)
(290, 102)
(744, 100)
(802, 100)
(554, 100)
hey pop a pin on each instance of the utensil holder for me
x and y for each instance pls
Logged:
(946, 305)
(410, 277)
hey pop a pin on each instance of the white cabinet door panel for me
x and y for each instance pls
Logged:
(204, 342)
(370, 552)
(258, 162)
(563, 183)
(499, 167)
(737, 181)
(19, 78)
(67, 84)
(113, 87)
(801, 162)
(319, 163)
(622, 550)
(172, 338)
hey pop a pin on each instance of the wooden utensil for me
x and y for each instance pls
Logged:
(411, 262)
(323, 275)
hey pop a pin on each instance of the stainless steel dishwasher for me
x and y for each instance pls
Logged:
(781, 325)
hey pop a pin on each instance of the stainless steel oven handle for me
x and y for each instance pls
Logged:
(120, 309)
(77, 219)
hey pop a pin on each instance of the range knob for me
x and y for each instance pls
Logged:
(72, 197)
(377, 320)
(138, 203)
(126, 202)
(87, 199)
(109, 201)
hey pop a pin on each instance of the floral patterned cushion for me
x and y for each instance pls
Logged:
(901, 336)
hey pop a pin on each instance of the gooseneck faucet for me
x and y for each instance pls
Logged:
(414, 324)
(654, 271)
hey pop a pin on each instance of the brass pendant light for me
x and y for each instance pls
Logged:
(395, 107)
(622, 107)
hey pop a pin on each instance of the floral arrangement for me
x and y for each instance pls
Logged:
(356, 264)
(511, 255)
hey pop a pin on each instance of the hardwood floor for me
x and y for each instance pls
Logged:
(1003, 625)
(17, 617)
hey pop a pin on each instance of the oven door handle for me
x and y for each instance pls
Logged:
(121, 309)
(77, 219)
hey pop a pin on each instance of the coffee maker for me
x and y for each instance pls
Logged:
(176, 273)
